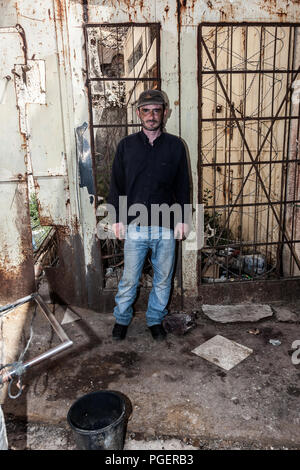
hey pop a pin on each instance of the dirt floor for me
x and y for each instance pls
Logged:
(175, 399)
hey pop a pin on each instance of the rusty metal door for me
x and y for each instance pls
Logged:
(248, 156)
(16, 260)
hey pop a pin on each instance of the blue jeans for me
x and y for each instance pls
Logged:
(138, 241)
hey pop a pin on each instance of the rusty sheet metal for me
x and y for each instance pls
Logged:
(193, 12)
(190, 12)
(16, 260)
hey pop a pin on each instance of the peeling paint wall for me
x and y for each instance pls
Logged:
(39, 98)
(16, 263)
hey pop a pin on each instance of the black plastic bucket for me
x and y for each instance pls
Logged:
(98, 421)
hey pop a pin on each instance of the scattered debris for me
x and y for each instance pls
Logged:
(69, 317)
(283, 313)
(250, 264)
(275, 342)
(179, 323)
(222, 352)
(235, 400)
(211, 271)
(113, 276)
(237, 313)
(254, 332)
(230, 264)
(8, 372)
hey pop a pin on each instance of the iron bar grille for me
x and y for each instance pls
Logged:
(248, 163)
(122, 61)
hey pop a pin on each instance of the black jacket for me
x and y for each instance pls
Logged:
(150, 175)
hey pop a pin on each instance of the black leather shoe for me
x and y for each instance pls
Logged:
(158, 333)
(119, 331)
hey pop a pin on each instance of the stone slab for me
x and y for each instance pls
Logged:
(223, 352)
(286, 314)
(237, 313)
(69, 317)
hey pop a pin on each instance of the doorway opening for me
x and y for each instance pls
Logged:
(122, 61)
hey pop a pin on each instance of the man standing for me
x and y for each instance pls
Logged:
(150, 168)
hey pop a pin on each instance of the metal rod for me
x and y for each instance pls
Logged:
(215, 134)
(295, 185)
(51, 318)
(241, 164)
(252, 204)
(120, 79)
(286, 132)
(262, 162)
(259, 110)
(249, 23)
(113, 25)
(249, 71)
(66, 342)
(7, 308)
(36, 360)
(95, 126)
(199, 164)
(237, 244)
(250, 118)
(286, 168)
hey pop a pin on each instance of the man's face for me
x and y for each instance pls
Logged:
(151, 116)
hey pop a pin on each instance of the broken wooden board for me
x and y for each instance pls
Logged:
(211, 271)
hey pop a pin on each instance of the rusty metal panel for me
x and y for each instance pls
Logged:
(194, 12)
(47, 142)
(135, 11)
(16, 260)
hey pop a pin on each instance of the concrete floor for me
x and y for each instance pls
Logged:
(175, 399)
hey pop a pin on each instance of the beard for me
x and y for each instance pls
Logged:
(151, 124)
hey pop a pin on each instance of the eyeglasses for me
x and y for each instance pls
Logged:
(146, 111)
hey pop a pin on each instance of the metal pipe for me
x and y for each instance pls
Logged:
(7, 308)
(51, 318)
(66, 342)
(36, 360)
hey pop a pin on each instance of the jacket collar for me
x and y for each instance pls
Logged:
(146, 140)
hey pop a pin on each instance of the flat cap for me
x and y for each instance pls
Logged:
(151, 97)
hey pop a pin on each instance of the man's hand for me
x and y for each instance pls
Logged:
(181, 231)
(119, 230)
